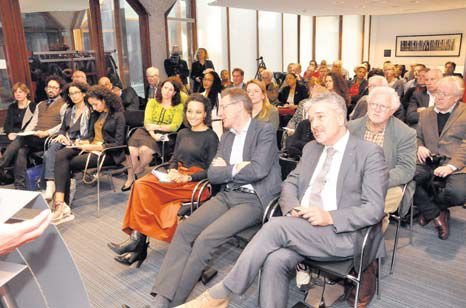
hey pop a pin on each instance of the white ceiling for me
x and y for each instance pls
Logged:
(32, 6)
(344, 7)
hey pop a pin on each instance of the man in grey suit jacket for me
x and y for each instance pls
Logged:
(395, 137)
(335, 192)
(246, 165)
(442, 131)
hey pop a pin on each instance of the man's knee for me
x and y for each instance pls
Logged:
(279, 262)
(454, 195)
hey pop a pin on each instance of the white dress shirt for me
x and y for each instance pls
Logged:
(238, 148)
(329, 193)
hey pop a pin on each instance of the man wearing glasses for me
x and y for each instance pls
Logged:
(46, 121)
(246, 165)
(441, 153)
(398, 141)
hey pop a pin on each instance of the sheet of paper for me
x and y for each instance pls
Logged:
(162, 176)
(28, 133)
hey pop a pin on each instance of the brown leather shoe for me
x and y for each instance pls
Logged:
(422, 220)
(441, 223)
(206, 301)
(367, 288)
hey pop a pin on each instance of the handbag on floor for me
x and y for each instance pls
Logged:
(33, 177)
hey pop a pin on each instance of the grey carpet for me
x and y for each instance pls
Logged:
(429, 273)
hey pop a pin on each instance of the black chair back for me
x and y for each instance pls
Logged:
(287, 165)
(367, 246)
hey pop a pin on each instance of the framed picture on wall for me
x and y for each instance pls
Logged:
(435, 45)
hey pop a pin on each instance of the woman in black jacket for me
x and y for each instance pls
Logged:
(19, 113)
(106, 130)
(293, 93)
(198, 67)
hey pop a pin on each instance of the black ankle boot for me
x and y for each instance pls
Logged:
(128, 245)
(138, 255)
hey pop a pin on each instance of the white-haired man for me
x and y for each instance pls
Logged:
(441, 136)
(360, 109)
(322, 218)
(271, 86)
(396, 138)
(153, 79)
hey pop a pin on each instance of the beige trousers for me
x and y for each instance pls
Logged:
(392, 202)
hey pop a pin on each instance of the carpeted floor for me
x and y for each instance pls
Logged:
(429, 273)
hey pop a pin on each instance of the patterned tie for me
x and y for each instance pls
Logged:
(315, 198)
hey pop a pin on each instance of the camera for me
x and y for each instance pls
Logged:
(436, 160)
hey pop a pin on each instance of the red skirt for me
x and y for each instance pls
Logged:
(153, 206)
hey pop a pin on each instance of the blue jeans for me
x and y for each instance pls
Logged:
(49, 160)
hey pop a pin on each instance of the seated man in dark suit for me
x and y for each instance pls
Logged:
(246, 165)
(423, 99)
(441, 175)
(335, 192)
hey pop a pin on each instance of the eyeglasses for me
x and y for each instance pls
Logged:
(381, 107)
(442, 94)
(52, 88)
(74, 93)
(223, 107)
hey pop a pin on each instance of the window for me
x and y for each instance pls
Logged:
(5, 89)
(180, 29)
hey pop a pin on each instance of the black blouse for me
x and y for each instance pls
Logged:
(14, 117)
(197, 70)
(195, 149)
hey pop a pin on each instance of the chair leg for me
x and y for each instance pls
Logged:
(411, 218)
(110, 179)
(356, 298)
(395, 245)
(98, 195)
(379, 270)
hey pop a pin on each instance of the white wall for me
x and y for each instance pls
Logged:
(386, 28)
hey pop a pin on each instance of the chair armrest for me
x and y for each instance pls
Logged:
(272, 209)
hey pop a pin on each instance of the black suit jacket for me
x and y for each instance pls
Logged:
(299, 94)
(180, 68)
(130, 99)
(418, 99)
(113, 132)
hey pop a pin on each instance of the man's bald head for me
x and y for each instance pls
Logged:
(105, 82)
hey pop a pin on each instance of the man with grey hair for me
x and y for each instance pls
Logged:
(153, 79)
(441, 170)
(360, 109)
(271, 86)
(247, 168)
(424, 99)
(396, 138)
(326, 209)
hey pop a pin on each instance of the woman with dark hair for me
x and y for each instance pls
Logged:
(198, 68)
(334, 82)
(293, 93)
(211, 88)
(153, 205)
(106, 130)
(164, 114)
(74, 127)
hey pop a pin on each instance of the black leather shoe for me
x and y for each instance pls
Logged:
(126, 188)
(129, 245)
(139, 255)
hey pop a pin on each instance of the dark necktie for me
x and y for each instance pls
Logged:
(315, 197)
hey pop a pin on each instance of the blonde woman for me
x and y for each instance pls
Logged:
(262, 110)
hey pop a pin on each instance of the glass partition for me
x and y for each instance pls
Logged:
(5, 89)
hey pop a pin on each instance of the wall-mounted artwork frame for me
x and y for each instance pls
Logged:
(431, 45)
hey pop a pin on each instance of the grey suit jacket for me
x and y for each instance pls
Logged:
(399, 148)
(452, 140)
(261, 150)
(418, 99)
(361, 185)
